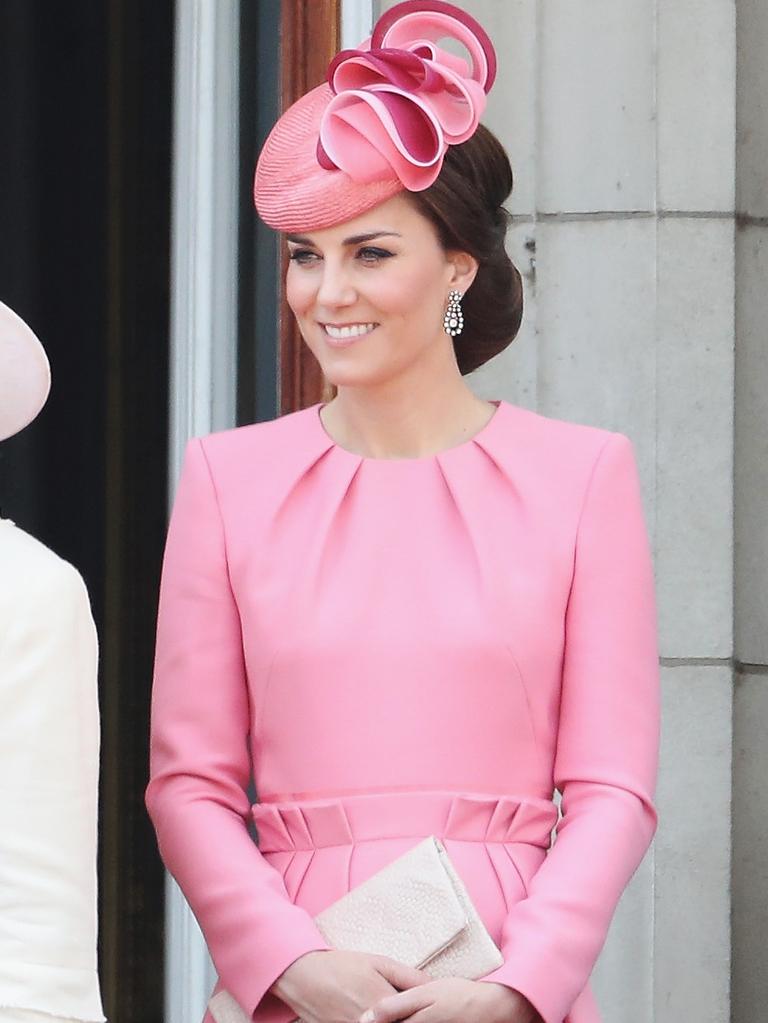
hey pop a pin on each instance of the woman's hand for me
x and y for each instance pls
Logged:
(334, 985)
(454, 1000)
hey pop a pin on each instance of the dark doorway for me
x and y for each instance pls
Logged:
(85, 177)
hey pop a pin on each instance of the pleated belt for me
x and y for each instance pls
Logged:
(346, 820)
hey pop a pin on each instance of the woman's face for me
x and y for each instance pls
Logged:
(369, 295)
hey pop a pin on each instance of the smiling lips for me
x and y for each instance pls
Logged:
(347, 332)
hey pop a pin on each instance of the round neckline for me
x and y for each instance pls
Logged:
(479, 435)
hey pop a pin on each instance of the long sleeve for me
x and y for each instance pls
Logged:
(607, 747)
(49, 751)
(199, 760)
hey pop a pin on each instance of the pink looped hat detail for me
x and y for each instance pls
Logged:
(382, 124)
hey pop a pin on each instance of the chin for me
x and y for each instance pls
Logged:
(351, 377)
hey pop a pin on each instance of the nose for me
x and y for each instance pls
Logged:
(335, 287)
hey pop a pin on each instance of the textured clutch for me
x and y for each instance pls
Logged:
(416, 910)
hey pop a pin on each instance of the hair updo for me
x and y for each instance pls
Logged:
(465, 204)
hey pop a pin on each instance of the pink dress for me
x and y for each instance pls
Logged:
(401, 647)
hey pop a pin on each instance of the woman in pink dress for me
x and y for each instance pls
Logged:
(406, 611)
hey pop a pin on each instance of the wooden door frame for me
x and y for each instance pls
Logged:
(310, 38)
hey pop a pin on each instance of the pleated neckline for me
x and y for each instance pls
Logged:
(485, 433)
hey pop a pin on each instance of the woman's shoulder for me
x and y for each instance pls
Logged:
(558, 440)
(33, 571)
(552, 462)
(268, 440)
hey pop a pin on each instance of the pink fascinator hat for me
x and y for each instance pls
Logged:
(382, 122)
(25, 376)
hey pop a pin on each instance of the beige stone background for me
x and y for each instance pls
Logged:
(638, 133)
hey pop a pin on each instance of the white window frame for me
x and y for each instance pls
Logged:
(203, 342)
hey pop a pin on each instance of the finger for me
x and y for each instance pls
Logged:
(397, 1007)
(427, 1015)
(399, 974)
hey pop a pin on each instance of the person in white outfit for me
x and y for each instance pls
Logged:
(49, 748)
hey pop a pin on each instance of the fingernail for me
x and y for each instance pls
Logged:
(367, 1017)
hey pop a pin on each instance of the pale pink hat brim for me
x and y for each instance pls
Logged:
(25, 374)
(292, 191)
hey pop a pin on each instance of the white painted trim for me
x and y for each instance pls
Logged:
(189, 973)
(205, 203)
(356, 22)
(203, 328)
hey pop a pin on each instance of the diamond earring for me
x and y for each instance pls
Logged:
(453, 321)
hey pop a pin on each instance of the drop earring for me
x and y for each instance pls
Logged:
(453, 321)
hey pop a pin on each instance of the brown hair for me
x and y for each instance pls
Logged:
(465, 204)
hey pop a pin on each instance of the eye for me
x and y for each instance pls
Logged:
(302, 256)
(373, 255)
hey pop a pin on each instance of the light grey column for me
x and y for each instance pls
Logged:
(619, 117)
(695, 343)
(203, 332)
(750, 833)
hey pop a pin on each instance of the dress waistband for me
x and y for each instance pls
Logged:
(313, 823)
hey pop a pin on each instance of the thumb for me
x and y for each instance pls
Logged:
(399, 974)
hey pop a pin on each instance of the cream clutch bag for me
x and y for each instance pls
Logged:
(415, 910)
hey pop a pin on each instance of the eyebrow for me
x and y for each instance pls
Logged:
(357, 239)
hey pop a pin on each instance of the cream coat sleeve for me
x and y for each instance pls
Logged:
(200, 767)
(607, 747)
(49, 757)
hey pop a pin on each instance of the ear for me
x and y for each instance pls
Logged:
(463, 270)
